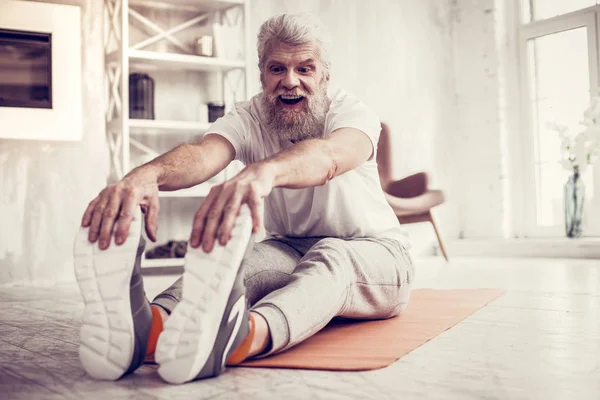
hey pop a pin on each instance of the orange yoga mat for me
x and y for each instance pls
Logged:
(363, 345)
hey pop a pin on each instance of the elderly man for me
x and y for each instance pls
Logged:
(333, 246)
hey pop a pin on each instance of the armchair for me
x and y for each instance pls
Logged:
(410, 197)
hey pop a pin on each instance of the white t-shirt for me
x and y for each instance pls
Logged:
(351, 205)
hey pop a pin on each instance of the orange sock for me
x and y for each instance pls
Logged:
(243, 350)
(155, 330)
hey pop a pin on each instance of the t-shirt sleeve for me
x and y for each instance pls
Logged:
(349, 112)
(234, 126)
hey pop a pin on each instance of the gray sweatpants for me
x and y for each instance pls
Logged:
(299, 284)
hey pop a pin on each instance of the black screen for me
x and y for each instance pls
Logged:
(25, 69)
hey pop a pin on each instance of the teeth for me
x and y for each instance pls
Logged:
(289, 97)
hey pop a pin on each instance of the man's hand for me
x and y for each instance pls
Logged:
(216, 216)
(116, 205)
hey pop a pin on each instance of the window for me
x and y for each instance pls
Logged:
(559, 55)
(534, 10)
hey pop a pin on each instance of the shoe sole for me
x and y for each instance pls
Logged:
(189, 334)
(107, 333)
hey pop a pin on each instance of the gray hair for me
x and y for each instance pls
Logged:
(293, 30)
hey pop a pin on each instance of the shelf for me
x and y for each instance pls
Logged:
(166, 127)
(196, 191)
(162, 262)
(142, 59)
(188, 5)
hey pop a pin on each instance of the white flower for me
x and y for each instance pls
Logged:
(565, 145)
(592, 114)
(593, 150)
(594, 133)
(580, 150)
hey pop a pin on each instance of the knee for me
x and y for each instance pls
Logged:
(329, 254)
(263, 282)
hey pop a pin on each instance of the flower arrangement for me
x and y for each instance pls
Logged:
(577, 153)
(583, 149)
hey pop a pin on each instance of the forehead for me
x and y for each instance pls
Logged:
(287, 54)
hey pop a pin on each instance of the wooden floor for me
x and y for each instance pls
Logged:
(541, 340)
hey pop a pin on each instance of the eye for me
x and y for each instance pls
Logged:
(276, 69)
(305, 70)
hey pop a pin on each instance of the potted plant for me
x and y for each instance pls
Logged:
(577, 153)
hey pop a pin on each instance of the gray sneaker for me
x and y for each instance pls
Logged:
(212, 319)
(117, 317)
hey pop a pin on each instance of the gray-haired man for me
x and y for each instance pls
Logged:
(333, 246)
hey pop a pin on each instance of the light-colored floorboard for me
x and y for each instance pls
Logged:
(540, 340)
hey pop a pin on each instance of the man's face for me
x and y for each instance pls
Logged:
(295, 90)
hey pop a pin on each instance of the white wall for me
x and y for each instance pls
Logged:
(45, 186)
(487, 136)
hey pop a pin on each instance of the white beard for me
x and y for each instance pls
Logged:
(307, 123)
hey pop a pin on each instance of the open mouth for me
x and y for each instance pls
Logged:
(290, 100)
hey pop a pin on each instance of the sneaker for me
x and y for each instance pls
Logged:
(212, 318)
(117, 316)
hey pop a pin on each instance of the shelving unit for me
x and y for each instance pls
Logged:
(166, 127)
(163, 262)
(143, 58)
(188, 5)
(196, 191)
(124, 55)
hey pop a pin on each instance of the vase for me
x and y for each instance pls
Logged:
(574, 198)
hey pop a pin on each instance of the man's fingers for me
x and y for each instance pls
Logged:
(152, 217)
(214, 216)
(212, 222)
(230, 213)
(256, 204)
(110, 214)
(87, 215)
(198, 224)
(129, 204)
(97, 219)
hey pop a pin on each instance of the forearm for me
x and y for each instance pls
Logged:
(305, 164)
(180, 168)
(186, 165)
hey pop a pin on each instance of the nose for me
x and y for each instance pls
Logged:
(290, 80)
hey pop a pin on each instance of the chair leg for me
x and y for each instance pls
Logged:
(439, 238)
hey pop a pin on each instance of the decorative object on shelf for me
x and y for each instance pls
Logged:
(141, 96)
(204, 46)
(215, 111)
(577, 153)
(171, 249)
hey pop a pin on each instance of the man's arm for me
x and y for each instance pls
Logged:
(186, 165)
(309, 163)
(314, 162)
(191, 164)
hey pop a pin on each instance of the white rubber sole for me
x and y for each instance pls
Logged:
(107, 335)
(189, 334)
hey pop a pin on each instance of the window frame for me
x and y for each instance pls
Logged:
(526, 220)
